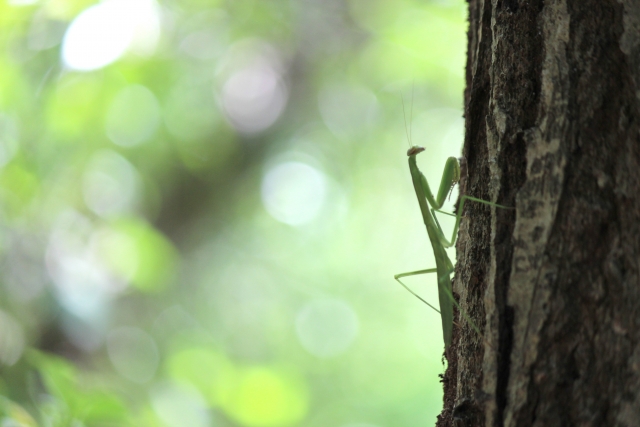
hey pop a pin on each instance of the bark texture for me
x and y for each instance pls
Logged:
(552, 110)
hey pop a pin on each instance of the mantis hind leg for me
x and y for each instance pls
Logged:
(444, 296)
(442, 285)
(416, 273)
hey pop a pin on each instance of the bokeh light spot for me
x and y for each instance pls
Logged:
(83, 284)
(254, 93)
(154, 255)
(111, 184)
(45, 33)
(326, 328)
(180, 406)
(209, 371)
(118, 250)
(266, 397)
(101, 34)
(254, 98)
(294, 192)
(133, 116)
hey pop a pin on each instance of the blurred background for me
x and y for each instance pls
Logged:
(203, 204)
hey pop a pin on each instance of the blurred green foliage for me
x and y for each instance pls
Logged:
(203, 203)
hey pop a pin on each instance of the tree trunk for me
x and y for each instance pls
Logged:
(552, 127)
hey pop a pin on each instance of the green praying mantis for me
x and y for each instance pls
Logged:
(444, 266)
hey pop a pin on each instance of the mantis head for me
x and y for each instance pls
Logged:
(414, 150)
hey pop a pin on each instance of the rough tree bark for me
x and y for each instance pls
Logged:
(553, 118)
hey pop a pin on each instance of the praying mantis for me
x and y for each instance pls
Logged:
(444, 266)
